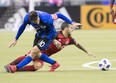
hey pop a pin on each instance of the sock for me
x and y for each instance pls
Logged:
(45, 58)
(28, 68)
(27, 60)
(18, 60)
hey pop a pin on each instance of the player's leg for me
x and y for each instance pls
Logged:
(30, 57)
(42, 44)
(15, 62)
(19, 59)
(37, 64)
(115, 18)
(113, 12)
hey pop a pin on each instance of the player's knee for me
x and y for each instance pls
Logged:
(34, 51)
(38, 65)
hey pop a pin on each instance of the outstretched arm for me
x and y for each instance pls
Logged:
(73, 42)
(83, 49)
(61, 16)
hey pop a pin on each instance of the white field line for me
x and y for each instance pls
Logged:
(88, 65)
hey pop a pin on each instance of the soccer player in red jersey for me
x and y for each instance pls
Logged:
(113, 10)
(111, 6)
(63, 39)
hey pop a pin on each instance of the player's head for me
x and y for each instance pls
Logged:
(34, 17)
(66, 27)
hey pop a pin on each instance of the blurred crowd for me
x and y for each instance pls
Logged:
(6, 3)
(18, 3)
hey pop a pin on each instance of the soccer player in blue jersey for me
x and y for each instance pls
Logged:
(65, 39)
(43, 23)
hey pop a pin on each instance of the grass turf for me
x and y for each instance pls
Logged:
(101, 42)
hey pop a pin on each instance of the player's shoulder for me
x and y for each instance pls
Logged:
(43, 14)
(45, 17)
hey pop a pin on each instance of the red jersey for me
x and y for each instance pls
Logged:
(52, 49)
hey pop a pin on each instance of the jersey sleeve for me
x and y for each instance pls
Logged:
(46, 18)
(61, 16)
(72, 41)
(22, 27)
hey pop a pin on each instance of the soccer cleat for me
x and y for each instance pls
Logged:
(6, 68)
(54, 67)
(11, 68)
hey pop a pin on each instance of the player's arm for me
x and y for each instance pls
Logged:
(57, 43)
(61, 16)
(81, 47)
(20, 31)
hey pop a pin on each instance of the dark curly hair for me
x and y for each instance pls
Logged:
(64, 25)
(33, 16)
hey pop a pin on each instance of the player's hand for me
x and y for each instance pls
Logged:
(13, 43)
(76, 25)
(57, 44)
(91, 54)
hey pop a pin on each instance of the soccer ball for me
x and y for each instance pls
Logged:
(104, 64)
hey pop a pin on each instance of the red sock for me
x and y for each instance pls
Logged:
(28, 68)
(18, 60)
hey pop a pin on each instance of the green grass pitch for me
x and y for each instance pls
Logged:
(101, 42)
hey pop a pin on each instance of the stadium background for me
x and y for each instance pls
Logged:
(98, 35)
(96, 15)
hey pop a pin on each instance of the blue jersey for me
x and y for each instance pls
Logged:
(45, 27)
